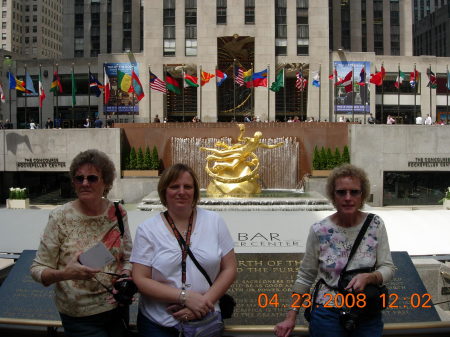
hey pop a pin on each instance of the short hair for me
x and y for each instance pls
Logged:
(348, 170)
(173, 173)
(100, 161)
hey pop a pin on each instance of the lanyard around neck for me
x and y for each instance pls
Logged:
(184, 244)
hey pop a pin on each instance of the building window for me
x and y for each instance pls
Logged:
(169, 28)
(34, 29)
(3, 25)
(249, 12)
(395, 28)
(191, 27)
(3, 36)
(34, 38)
(378, 26)
(302, 28)
(221, 12)
(280, 28)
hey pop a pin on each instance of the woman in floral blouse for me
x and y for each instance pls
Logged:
(84, 303)
(327, 249)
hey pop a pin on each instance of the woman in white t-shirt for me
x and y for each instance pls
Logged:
(166, 297)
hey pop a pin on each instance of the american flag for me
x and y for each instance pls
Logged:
(301, 82)
(239, 76)
(157, 84)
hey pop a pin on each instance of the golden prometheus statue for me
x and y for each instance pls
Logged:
(234, 168)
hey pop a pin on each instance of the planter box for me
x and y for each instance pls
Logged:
(446, 204)
(18, 203)
(320, 173)
(140, 173)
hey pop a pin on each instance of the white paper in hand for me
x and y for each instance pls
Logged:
(96, 257)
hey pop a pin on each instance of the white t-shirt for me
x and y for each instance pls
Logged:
(155, 246)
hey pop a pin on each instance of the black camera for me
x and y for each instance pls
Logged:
(349, 319)
(125, 291)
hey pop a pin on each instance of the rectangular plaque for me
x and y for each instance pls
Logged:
(262, 291)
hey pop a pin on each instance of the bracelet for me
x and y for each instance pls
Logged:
(294, 309)
(182, 297)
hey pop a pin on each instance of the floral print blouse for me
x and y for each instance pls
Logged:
(327, 250)
(67, 232)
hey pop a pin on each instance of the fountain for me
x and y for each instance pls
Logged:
(237, 174)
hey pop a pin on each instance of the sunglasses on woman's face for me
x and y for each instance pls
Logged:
(343, 193)
(92, 179)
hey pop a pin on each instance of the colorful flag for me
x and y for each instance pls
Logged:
(248, 81)
(41, 90)
(29, 84)
(400, 77)
(172, 84)
(157, 84)
(239, 76)
(190, 80)
(56, 84)
(301, 82)
(279, 82)
(220, 77)
(74, 89)
(362, 77)
(316, 79)
(15, 83)
(123, 81)
(333, 75)
(205, 77)
(378, 78)
(2, 94)
(107, 91)
(260, 78)
(95, 85)
(347, 82)
(136, 86)
(432, 79)
(413, 77)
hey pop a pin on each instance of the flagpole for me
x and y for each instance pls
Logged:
(117, 93)
(132, 94)
(57, 96)
(217, 95)
(398, 93)
(252, 91)
(320, 90)
(284, 92)
(73, 105)
(301, 97)
(268, 93)
(382, 95)
(353, 93)
(89, 88)
(165, 100)
(40, 105)
(149, 94)
(182, 88)
(234, 90)
(448, 89)
(415, 93)
(200, 78)
(431, 115)
(26, 99)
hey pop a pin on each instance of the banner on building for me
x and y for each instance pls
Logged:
(121, 101)
(356, 100)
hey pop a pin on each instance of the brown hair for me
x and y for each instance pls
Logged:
(351, 171)
(100, 161)
(171, 174)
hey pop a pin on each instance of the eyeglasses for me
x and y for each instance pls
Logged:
(343, 193)
(92, 179)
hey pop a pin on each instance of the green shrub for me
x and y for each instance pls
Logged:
(323, 159)
(147, 159)
(316, 158)
(140, 160)
(132, 163)
(337, 157)
(330, 164)
(345, 155)
(18, 193)
(155, 158)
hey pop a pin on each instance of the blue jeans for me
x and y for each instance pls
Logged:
(106, 324)
(147, 328)
(326, 323)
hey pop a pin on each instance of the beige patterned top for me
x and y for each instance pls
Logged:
(68, 232)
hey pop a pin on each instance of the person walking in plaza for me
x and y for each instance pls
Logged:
(98, 123)
(370, 119)
(419, 120)
(173, 290)
(49, 124)
(428, 120)
(156, 119)
(87, 124)
(82, 293)
(327, 253)
(390, 120)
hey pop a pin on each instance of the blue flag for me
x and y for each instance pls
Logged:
(95, 85)
(29, 85)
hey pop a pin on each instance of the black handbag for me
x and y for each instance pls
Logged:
(374, 293)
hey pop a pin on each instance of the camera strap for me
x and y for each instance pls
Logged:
(119, 218)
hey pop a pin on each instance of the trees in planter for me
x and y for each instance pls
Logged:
(326, 160)
(141, 161)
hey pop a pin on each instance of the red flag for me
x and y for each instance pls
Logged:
(107, 88)
(333, 75)
(136, 86)
(347, 82)
(378, 78)
(205, 77)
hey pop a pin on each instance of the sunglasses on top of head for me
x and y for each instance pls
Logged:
(343, 193)
(92, 179)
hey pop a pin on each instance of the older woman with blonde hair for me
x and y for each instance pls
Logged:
(83, 293)
(327, 253)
